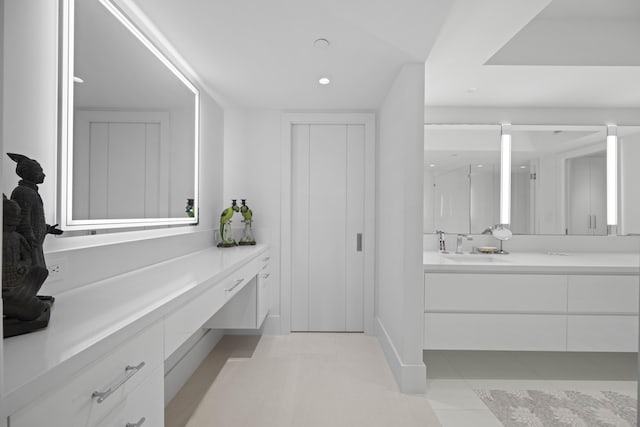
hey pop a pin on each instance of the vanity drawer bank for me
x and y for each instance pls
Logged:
(101, 360)
(531, 302)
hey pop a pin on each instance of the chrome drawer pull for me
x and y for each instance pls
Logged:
(129, 371)
(265, 259)
(235, 285)
(138, 424)
(264, 276)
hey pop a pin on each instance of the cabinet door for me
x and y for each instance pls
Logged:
(521, 332)
(603, 295)
(73, 404)
(602, 333)
(495, 293)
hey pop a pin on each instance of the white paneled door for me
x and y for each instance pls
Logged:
(587, 195)
(122, 165)
(328, 224)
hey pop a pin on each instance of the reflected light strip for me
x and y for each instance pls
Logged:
(505, 179)
(612, 179)
(136, 32)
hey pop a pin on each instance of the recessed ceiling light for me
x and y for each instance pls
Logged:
(480, 166)
(432, 165)
(78, 80)
(523, 167)
(324, 81)
(321, 43)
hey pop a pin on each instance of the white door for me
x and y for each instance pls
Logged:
(327, 223)
(587, 195)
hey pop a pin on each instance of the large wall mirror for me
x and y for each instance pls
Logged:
(558, 180)
(129, 125)
(461, 178)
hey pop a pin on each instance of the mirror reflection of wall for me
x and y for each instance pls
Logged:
(558, 180)
(134, 125)
(629, 197)
(461, 178)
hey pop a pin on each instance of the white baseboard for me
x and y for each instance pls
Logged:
(411, 378)
(272, 325)
(182, 364)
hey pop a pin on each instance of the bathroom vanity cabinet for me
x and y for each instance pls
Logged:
(101, 360)
(533, 302)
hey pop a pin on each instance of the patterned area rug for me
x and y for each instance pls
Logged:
(537, 408)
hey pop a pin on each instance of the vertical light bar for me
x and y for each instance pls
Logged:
(505, 175)
(612, 176)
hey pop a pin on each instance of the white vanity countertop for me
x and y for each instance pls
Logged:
(91, 320)
(534, 262)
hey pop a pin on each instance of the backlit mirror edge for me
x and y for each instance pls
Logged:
(612, 181)
(65, 121)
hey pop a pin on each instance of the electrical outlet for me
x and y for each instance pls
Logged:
(57, 269)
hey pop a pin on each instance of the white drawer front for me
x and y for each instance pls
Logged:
(458, 331)
(143, 407)
(264, 296)
(73, 405)
(238, 280)
(603, 294)
(602, 333)
(186, 320)
(264, 289)
(495, 292)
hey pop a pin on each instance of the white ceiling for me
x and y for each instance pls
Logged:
(260, 53)
(537, 53)
(497, 53)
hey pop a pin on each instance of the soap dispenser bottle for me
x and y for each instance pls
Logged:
(442, 243)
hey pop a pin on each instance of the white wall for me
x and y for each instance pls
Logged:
(30, 92)
(30, 106)
(252, 171)
(399, 216)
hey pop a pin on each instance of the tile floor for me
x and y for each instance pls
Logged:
(301, 380)
(453, 375)
(321, 379)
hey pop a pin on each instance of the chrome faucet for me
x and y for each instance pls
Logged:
(459, 241)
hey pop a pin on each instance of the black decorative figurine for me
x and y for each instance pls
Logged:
(23, 265)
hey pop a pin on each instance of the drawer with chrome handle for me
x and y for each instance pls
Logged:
(138, 424)
(89, 396)
(129, 372)
(236, 283)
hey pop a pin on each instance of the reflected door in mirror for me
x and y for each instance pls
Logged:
(126, 159)
(586, 190)
(629, 197)
(451, 200)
